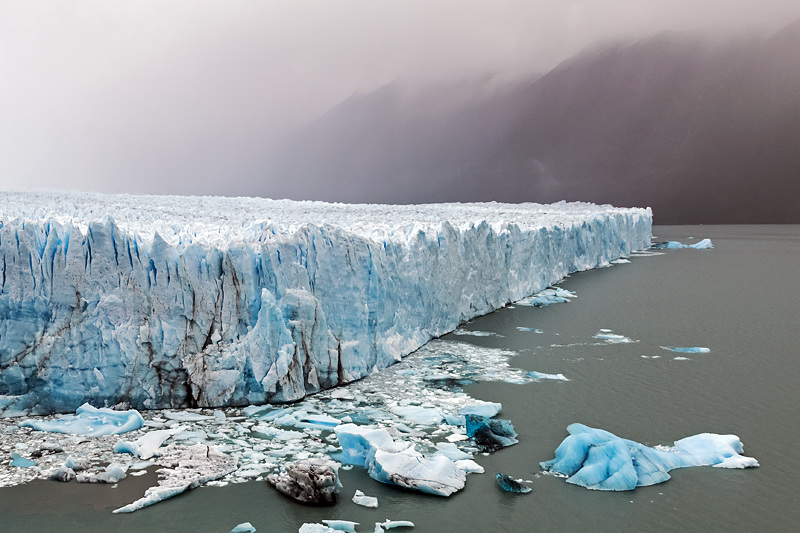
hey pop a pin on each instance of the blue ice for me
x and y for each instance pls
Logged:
(18, 460)
(91, 422)
(599, 460)
(244, 527)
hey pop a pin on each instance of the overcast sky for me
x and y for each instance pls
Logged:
(168, 96)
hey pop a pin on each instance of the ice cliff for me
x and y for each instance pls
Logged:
(157, 302)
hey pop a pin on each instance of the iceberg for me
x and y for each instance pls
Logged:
(490, 434)
(21, 462)
(705, 244)
(359, 498)
(398, 463)
(509, 484)
(244, 527)
(181, 302)
(315, 481)
(147, 445)
(90, 422)
(599, 460)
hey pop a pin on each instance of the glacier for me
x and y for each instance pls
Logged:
(150, 302)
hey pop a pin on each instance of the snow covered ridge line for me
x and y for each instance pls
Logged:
(159, 302)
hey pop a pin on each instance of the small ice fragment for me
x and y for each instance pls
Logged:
(390, 524)
(451, 451)
(147, 445)
(681, 358)
(341, 525)
(359, 498)
(19, 461)
(689, 349)
(315, 528)
(63, 474)
(186, 416)
(509, 484)
(542, 375)
(244, 527)
(479, 407)
(428, 416)
(533, 330)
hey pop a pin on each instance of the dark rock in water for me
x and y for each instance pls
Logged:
(490, 434)
(63, 474)
(313, 482)
(509, 484)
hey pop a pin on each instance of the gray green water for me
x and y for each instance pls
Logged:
(740, 299)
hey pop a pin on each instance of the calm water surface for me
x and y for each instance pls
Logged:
(739, 299)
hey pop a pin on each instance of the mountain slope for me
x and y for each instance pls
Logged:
(700, 131)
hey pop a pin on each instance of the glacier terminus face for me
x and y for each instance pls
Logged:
(169, 302)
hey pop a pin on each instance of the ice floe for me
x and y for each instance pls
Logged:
(314, 481)
(244, 527)
(554, 295)
(704, 244)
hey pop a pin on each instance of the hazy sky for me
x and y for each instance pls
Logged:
(169, 96)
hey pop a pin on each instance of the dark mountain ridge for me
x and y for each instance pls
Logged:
(700, 131)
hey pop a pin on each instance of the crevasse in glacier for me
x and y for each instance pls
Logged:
(157, 302)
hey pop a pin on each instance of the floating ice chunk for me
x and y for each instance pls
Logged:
(533, 330)
(113, 473)
(600, 460)
(356, 442)
(186, 468)
(19, 461)
(548, 296)
(265, 431)
(476, 333)
(688, 349)
(315, 528)
(542, 375)
(469, 466)
(410, 469)
(478, 407)
(90, 421)
(186, 416)
(620, 261)
(77, 463)
(705, 244)
(509, 484)
(427, 416)
(313, 481)
(490, 434)
(391, 524)
(359, 498)
(148, 444)
(245, 527)
(341, 525)
(612, 338)
(63, 474)
(680, 358)
(451, 451)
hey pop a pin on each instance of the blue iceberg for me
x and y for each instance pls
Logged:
(705, 244)
(90, 422)
(599, 460)
(490, 434)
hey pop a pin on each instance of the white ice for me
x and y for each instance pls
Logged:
(359, 498)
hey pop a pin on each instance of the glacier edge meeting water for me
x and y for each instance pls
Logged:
(169, 302)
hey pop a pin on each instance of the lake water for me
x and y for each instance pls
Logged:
(741, 300)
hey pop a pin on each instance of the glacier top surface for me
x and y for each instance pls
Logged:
(218, 220)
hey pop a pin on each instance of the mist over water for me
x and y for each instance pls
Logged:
(745, 385)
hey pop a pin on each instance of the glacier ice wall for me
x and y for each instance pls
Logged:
(162, 302)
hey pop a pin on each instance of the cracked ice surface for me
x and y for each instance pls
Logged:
(157, 302)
